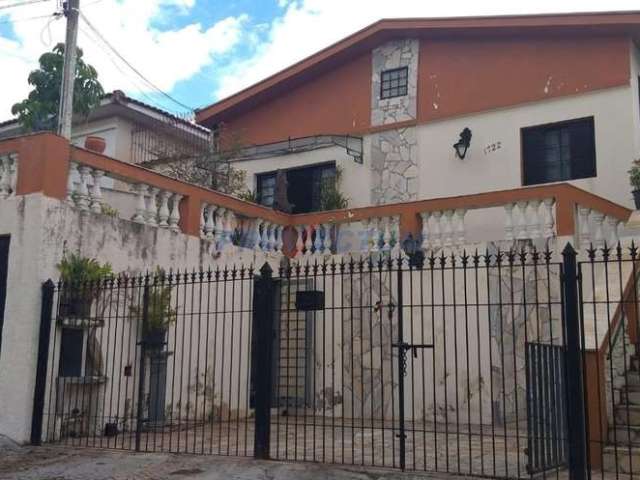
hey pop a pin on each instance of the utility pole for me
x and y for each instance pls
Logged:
(65, 112)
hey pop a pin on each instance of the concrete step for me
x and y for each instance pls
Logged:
(630, 395)
(627, 414)
(621, 459)
(633, 380)
(624, 435)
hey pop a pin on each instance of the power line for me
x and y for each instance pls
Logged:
(136, 83)
(27, 19)
(134, 69)
(22, 3)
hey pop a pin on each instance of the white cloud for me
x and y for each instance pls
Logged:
(165, 55)
(307, 26)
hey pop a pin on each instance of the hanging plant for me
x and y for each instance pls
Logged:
(79, 276)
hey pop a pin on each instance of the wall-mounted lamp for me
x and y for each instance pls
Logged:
(462, 145)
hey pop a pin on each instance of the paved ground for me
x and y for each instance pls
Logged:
(58, 463)
(490, 452)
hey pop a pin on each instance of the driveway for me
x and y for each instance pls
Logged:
(59, 463)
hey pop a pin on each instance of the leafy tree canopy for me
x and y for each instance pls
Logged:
(39, 111)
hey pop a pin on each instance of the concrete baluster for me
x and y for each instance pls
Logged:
(257, 237)
(210, 223)
(141, 206)
(299, 241)
(96, 191)
(395, 236)
(425, 216)
(318, 246)
(375, 235)
(271, 238)
(83, 190)
(508, 221)
(533, 226)
(229, 227)
(152, 207)
(460, 213)
(308, 243)
(548, 220)
(71, 183)
(437, 228)
(598, 235)
(327, 238)
(447, 224)
(612, 231)
(522, 219)
(163, 213)
(218, 231)
(174, 216)
(584, 232)
(279, 241)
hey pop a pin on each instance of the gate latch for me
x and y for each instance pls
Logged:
(404, 347)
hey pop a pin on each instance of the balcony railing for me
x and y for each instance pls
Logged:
(92, 182)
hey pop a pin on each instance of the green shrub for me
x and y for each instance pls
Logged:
(634, 174)
(75, 268)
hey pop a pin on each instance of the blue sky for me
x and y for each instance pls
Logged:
(200, 51)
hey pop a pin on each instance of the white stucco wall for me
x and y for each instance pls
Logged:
(41, 230)
(443, 174)
(110, 129)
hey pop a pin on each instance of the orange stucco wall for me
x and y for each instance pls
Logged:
(456, 77)
(335, 102)
(464, 76)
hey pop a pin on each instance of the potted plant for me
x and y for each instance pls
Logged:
(634, 180)
(78, 275)
(160, 314)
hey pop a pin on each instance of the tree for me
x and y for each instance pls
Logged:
(39, 111)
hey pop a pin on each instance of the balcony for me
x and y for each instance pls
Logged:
(87, 181)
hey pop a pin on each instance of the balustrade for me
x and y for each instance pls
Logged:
(596, 229)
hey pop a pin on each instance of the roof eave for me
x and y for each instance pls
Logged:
(625, 20)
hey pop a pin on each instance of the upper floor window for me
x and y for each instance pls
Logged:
(393, 83)
(559, 151)
(304, 187)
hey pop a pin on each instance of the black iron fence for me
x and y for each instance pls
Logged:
(158, 362)
(483, 364)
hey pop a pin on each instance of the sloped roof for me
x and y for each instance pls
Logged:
(118, 97)
(386, 29)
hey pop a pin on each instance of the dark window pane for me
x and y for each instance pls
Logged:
(393, 83)
(559, 152)
(71, 342)
(266, 189)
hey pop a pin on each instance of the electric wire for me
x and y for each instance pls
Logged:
(27, 19)
(22, 3)
(137, 85)
(128, 64)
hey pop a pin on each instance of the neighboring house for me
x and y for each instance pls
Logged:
(134, 132)
(547, 98)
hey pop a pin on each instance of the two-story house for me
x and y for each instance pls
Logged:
(528, 100)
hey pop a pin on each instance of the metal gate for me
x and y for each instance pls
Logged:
(155, 363)
(403, 361)
(418, 363)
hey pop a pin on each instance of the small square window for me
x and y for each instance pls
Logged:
(393, 83)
